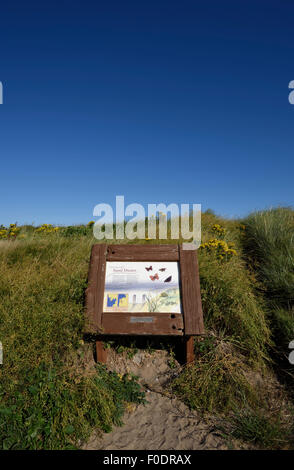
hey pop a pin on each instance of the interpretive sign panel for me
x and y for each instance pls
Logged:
(135, 286)
(143, 290)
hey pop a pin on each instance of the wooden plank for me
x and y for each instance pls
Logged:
(143, 323)
(95, 290)
(190, 289)
(101, 353)
(143, 253)
(190, 354)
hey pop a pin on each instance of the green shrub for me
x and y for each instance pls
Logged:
(76, 231)
(51, 409)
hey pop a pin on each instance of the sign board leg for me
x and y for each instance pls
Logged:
(190, 355)
(101, 353)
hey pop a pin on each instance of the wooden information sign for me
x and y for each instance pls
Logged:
(143, 290)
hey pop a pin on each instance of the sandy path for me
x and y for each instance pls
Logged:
(164, 423)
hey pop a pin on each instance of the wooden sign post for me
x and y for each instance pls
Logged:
(143, 290)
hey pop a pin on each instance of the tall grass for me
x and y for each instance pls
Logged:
(231, 309)
(237, 333)
(45, 402)
(269, 247)
(269, 242)
(269, 250)
(236, 349)
(237, 339)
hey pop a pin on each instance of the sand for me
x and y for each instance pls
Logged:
(164, 423)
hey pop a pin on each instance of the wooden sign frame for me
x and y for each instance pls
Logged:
(189, 323)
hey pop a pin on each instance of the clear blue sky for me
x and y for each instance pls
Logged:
(160, 101)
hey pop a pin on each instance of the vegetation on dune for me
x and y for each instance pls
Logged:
(256, 427)
(246, 275)
(216, 382)
(269, 247)
(237, 336)
(242, 324)
(44, 403)
(269, 243)
(53, 408)
(230, 307)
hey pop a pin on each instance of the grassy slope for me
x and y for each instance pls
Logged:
(233, 371)
(47, 403)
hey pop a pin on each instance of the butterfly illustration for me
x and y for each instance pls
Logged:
(168, 279)
(149, 269)
(162, 269)
(154, 277)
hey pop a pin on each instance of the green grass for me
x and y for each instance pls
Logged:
(283, 326)
(257, 428)
(269, 248)
(48, 400)
(243, 324)
(45, 403)
(238, 336)
(231, 308)
(216, 383)
(269, 243)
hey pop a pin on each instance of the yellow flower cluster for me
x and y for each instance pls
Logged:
(13, 231)
(47, 228)
(3, 233)
(9, 233)
(218, 229)
(220, 247)
(91, 223)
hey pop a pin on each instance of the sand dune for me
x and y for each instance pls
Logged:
(164, 423)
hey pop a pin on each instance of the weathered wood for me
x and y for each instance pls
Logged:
(142, 253)
(143, 323)
(190, 354)
(95, 290)
(101, 353)
(191, 296)
(190, 323)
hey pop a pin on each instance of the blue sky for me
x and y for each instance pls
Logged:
(160, 101)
